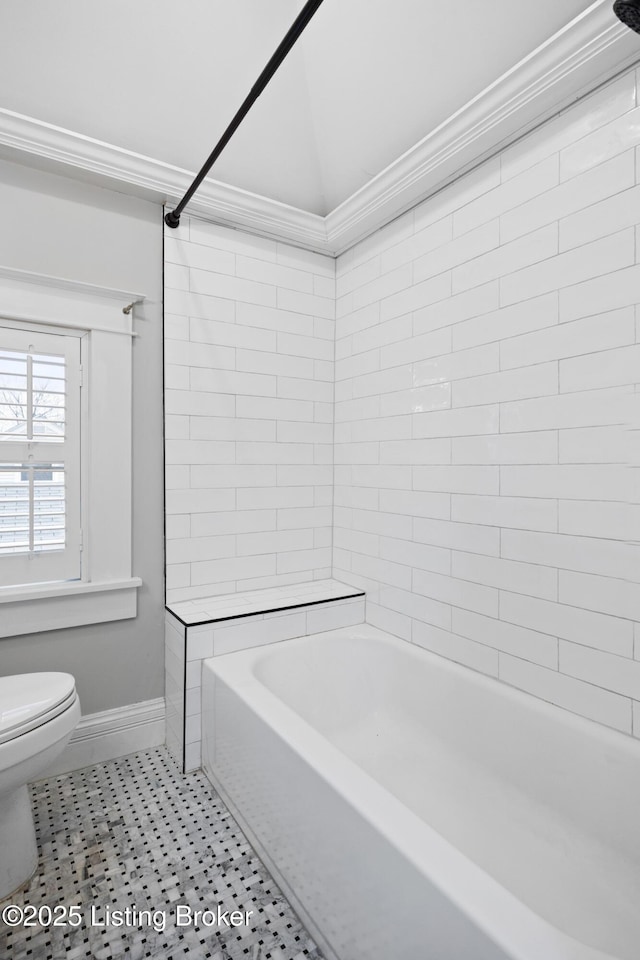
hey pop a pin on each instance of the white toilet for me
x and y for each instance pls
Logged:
(38, 714)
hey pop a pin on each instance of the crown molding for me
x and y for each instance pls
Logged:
(586, 53)
(73, 154)
(590, 50)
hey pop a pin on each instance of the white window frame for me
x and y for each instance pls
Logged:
(107, 589)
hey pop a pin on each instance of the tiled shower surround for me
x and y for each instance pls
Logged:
(487, 356)
(249, 342)
(486, 361)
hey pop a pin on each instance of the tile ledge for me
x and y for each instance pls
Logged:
(232, 606)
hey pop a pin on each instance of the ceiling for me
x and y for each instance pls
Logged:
(367, 80)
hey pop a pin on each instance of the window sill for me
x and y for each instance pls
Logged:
(42, 607)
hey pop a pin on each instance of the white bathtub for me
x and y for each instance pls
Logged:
(415, 810)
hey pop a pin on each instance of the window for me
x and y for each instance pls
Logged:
(40, 536)
(65, 454)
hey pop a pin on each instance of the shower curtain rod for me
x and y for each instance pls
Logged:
(172, 218)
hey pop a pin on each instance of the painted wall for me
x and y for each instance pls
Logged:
(64, 228)
(487, 355)
(249, 344)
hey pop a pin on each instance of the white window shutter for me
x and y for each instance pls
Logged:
(39, 457)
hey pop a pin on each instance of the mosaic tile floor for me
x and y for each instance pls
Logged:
(134, 833)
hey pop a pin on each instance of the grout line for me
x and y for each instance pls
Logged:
(263, 612)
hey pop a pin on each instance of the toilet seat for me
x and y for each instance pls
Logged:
(29, 700)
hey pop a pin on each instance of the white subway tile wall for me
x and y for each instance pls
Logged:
(487, 360)
(249, 380)
(458, 442)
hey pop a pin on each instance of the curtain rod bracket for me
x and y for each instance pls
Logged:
(172, 219)
(127, 310)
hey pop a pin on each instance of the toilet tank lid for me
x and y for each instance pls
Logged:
(27, 696)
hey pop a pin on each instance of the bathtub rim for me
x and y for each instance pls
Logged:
(389, 815)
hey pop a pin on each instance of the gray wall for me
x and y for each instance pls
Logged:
(60, 227)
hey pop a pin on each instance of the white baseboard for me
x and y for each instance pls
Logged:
(111, 734)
